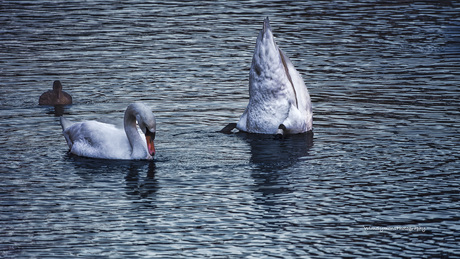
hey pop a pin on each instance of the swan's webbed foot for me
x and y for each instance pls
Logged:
(228, 129)
(280, 132)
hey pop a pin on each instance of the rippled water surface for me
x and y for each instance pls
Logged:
(379, 178)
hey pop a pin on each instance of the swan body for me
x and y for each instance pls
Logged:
(278, 97)
(55, 96)
(101, 140)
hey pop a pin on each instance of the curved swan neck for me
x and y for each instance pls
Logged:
(132, 133)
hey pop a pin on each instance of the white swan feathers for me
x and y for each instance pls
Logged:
(278, 97)
(101, 140)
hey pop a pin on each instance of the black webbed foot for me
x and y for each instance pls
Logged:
(280, 132)
(228, 129)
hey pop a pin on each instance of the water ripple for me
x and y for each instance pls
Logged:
(379, 177)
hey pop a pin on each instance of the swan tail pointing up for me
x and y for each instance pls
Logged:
(65, 123)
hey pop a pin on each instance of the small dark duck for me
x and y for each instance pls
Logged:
(55, 96)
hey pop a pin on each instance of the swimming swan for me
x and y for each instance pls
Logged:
(55, 96)
(279, 102)
(102, 140)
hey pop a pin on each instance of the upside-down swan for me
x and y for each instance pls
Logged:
(279, 102)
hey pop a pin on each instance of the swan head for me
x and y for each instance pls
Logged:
(145, 120)
(148, 127)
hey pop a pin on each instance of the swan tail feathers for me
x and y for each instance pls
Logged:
(65, 123)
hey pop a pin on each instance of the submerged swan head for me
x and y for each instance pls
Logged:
(146, 122)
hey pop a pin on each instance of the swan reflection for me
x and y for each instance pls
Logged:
(141, 187)
(272, 160)
(140, 181)
(271, 155)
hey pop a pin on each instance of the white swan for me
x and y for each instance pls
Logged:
(102, 140)
(279, 102)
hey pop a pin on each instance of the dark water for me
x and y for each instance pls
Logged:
(380, 177)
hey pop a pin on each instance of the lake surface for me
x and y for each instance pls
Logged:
(379, 178)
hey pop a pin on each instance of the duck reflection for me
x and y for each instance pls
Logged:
(57, 110)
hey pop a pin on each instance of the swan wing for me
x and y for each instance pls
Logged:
(300, 117)
(98, 140)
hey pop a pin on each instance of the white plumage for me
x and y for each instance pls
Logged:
(101, 140)
(277, 93)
